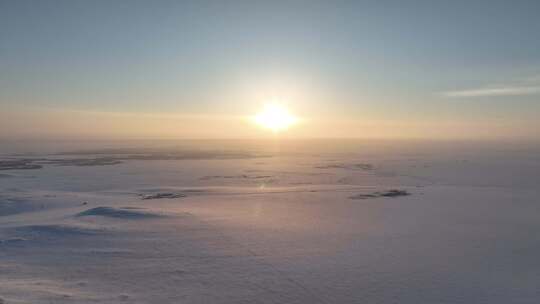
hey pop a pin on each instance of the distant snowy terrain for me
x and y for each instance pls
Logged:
(388, 223)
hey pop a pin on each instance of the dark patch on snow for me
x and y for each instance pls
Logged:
(55, 230)
(19, 164)
(124, 213)
(366, 167)
(85, 162)
(240, 176)
(388, 193)
(115, 157)
(13, 240)
(162, 195)
(172, 154)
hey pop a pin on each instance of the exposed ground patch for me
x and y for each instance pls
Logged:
(388, 193)
(240, 176)
(366, 167)
(162, 195)
(19, 164)
(85, 162)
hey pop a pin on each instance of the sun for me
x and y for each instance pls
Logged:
(275, 117)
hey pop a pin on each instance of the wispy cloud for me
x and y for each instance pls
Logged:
(529, 85)
(495, 91)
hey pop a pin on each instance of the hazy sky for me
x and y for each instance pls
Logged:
(439, 69)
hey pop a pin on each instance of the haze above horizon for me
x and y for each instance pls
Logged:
(204, 69)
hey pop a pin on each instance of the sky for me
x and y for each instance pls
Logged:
(201, 69)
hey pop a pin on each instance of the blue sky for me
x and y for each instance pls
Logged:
(415, 62)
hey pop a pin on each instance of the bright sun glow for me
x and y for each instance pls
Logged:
(275, 117)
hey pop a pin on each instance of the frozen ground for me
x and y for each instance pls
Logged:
(278, 224)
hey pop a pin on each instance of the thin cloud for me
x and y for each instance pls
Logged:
(517, 87)
(494, 92)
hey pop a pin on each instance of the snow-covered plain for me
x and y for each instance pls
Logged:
(272, 223)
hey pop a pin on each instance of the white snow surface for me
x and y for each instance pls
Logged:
(279, 227)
